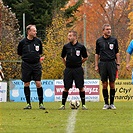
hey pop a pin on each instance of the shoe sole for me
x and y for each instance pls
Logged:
(42, 108)
(113, 108)
(26, 108)
(61, 109)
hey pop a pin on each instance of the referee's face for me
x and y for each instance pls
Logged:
(71, 37)
(33, 31)
(107, 31)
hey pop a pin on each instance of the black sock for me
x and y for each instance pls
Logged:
(105, 95)
(64, 97)
(27, 94)
(82, 96)
(40, 95)
(112, 95)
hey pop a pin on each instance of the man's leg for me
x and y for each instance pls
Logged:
(112, 77)
(68, 80)
(27, 94)
(26, 78)
(112, 95)
(105, 94)
(82, 96)
(40, 94)
(79, 83)
(64, 98)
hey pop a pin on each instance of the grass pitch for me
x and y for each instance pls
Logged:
(13, 119)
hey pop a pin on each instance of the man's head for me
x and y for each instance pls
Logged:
(72, 36)
(31, 31)
(106, 30)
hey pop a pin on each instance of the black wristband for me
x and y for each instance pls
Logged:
(118, 64)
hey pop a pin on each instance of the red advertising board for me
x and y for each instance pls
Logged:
(91, 90)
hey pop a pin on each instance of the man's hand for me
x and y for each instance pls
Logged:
(128, 67)
(42, 58)
(96, 69)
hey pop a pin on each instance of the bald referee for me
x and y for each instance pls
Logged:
(30, 49)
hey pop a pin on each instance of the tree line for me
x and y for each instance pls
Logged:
(40, 12)
(55, 19)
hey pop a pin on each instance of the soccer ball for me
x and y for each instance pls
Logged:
(74, 104)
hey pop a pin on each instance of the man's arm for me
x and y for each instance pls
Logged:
(19, 49)
(117, 58)
(84, 59)
(96, 62)
(63, 55)
(118, 61)
(1, 74)
(42, 58)
(129, 51)
(128, 56)
(96, 59)
(64, 61)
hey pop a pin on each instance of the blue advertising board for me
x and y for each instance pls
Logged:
(17, 91)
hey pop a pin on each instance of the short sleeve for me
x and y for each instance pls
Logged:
(130, 48)
(19, 48)
(97, 48)
(84, 52)
(41, 48)
(63, 53)
(116, 47)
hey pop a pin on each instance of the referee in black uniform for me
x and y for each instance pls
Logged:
(73, 55)
(30, 49)
(107, 51)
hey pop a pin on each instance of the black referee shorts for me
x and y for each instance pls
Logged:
(73, 74)
(107, 70)
(31, 71)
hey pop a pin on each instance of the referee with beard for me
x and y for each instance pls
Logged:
(73, 55)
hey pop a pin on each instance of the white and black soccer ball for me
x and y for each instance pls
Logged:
(74, 104)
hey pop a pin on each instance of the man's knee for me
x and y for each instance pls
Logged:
(81, 89)
(38, 84)
(26, 84)
(112, 84)
(105, 85)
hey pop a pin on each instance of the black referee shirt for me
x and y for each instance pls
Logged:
(107, 48)
(74, 54)
(30, 50)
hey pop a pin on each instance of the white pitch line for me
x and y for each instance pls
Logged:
(71, 122)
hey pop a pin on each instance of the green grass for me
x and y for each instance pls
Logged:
(13, 119)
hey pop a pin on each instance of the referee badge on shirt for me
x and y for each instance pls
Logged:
(78, 52)
(111, 46)
(36, 47)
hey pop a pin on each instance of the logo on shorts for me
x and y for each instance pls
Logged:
(111, 46)
(36, 47)
(78, 52)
